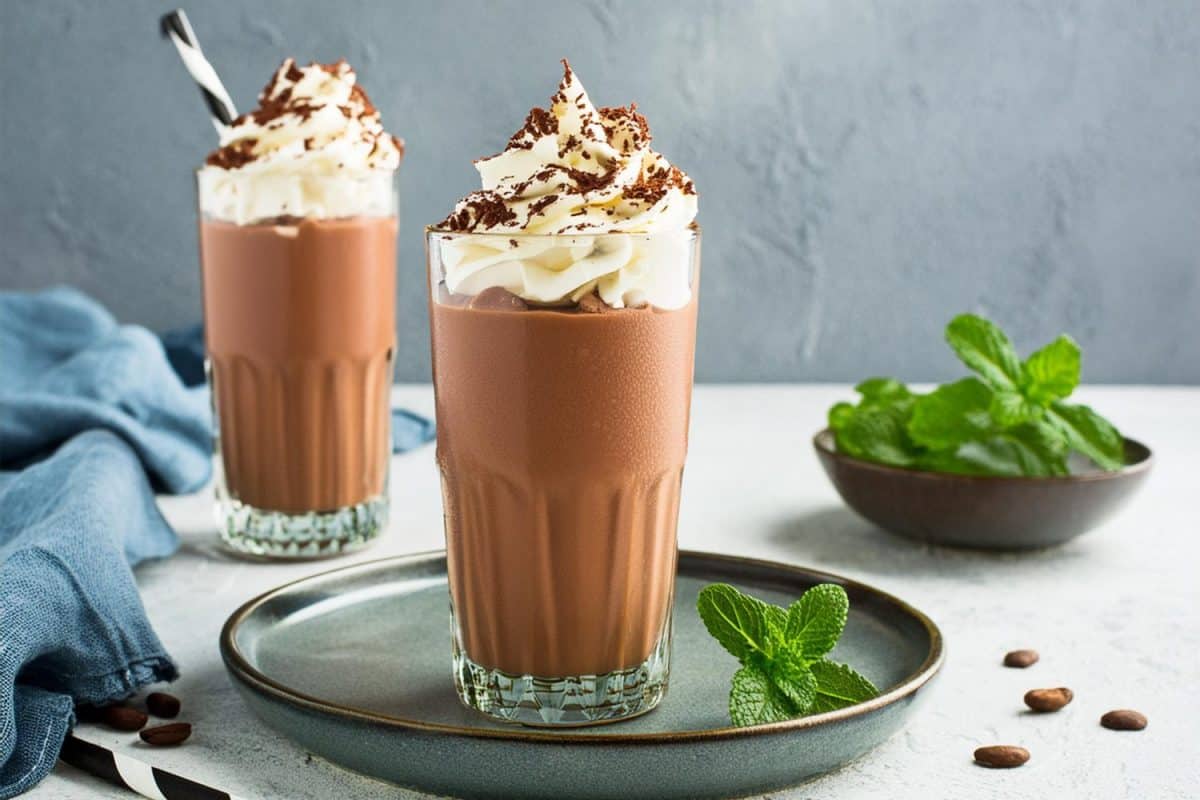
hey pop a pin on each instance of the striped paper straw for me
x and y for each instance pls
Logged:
(135, 775)
(176, 27)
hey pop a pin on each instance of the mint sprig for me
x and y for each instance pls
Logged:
(1009, 419)
(784, 672)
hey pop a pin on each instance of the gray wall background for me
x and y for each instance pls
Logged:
(867, 168)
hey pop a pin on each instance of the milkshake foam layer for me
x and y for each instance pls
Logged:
(573, 171)
(315, 148)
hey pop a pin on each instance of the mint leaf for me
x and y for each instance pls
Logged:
(1052, 373)
(742, 624)
(875, 429)
(1031, 449)
(839, 686)
(986, 349)
(1009, 408)
(949, 461)
(954, 413)
(776, 623)
(877, 434)
(790, 673)
(816, 620)
(783, 674)
(1009, 421)
(840, 415)
(882, 391)
(1089, 433)
(754, 699)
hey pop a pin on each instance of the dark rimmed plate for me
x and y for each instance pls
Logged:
(354, 665)
(991, 513)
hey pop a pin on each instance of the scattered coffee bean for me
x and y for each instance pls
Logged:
(124, 718)
(1001, 756)
(1046, 700)
(163, 705)
(1124, 719)
(166, 735)
(1020, 658)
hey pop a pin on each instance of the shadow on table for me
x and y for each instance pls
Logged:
(202, 542)
(836, 537)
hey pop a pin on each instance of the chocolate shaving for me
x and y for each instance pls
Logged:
(568, 144)
(655, 185)
(540, 122)
(480, 210)
(541, 204)
(357, 94)
(233, 155)
(337, 68)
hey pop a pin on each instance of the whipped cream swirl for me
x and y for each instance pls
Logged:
(570, 172)
(315, 147)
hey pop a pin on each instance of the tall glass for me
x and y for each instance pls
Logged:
(562, 433)
(299, 319)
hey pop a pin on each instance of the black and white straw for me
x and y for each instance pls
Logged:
(135, 775)
(176, 27)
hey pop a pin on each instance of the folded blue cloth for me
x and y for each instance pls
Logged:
(92, 420)
(185, 350)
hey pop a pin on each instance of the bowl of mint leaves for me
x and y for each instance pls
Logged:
(999, 459)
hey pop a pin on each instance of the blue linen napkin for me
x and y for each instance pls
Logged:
(92, 420)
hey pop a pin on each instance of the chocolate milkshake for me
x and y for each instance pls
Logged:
(563, 318)
(298, 249)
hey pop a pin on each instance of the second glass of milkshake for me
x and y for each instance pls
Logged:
(563, 315)
(298, 231)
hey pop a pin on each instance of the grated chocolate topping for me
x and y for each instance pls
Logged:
(234, 155)
(596, 154)
(480, 210)
(540, 122)
(277, 100)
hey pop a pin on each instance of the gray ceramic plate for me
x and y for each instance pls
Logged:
(354, 665)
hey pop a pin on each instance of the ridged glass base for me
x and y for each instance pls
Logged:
(316, 534)
(564, 702)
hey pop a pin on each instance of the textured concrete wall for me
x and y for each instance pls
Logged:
(868, 168)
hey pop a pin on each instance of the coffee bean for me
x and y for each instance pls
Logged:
(1124, 719)
(1020, 658)
(124, 718)
(163, 705)
(1046, 700)
(1001, 756)
(166, 735)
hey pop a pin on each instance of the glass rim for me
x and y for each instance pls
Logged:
(691, 233)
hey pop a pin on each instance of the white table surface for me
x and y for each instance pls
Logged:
(1115, 615)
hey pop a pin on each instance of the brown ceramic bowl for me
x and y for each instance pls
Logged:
(991, 513)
